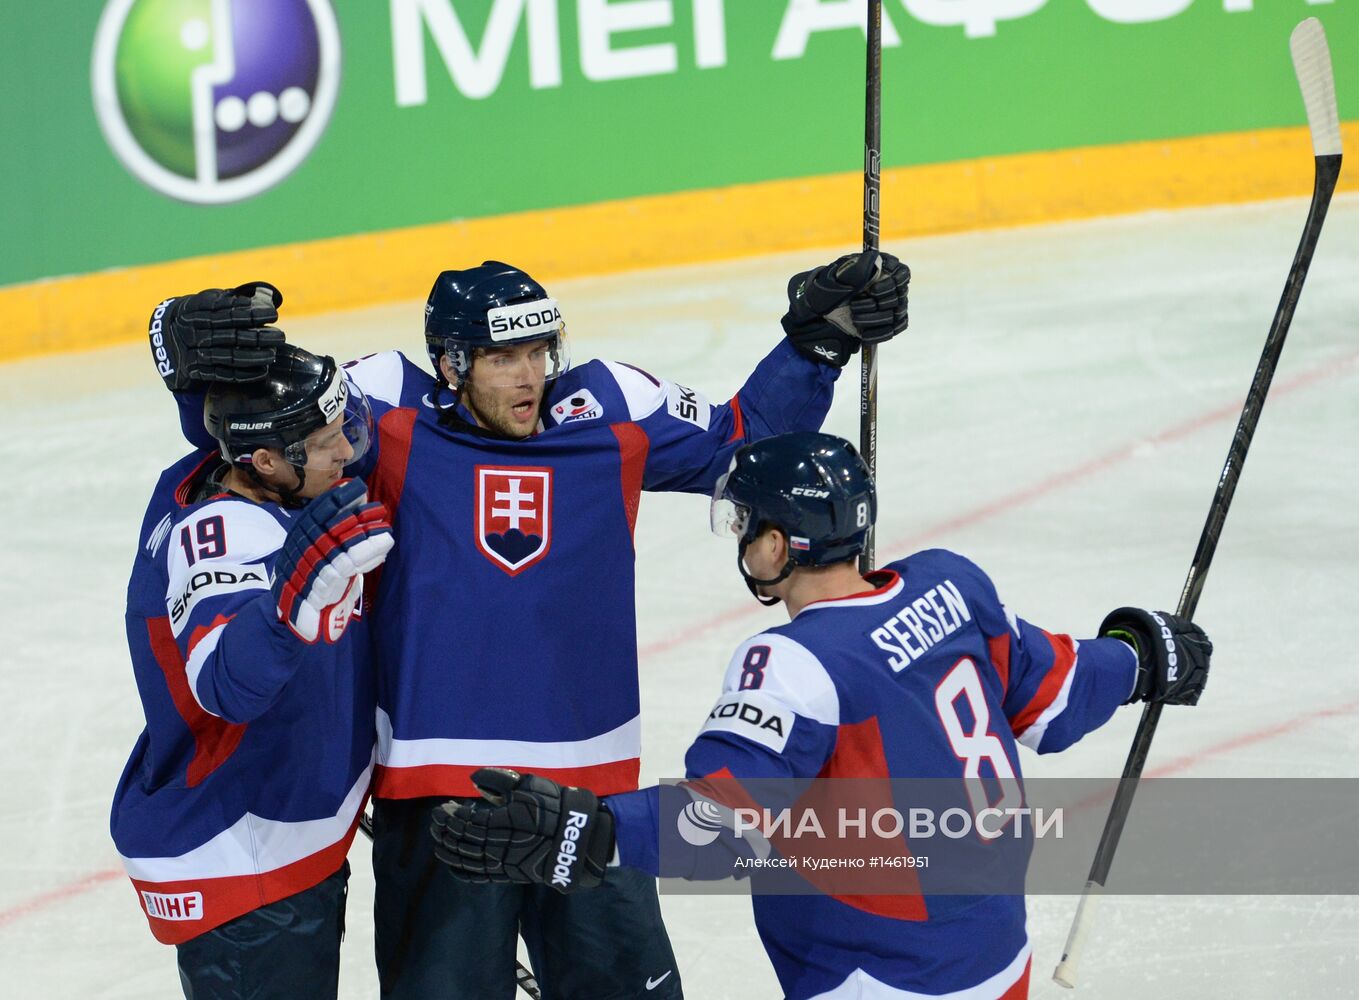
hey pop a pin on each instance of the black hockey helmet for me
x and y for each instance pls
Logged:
(814, 487)
(493, 305)
(300, 394)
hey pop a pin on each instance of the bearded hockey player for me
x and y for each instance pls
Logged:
(917, 671)
(241, 797)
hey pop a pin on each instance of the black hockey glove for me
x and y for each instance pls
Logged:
(525, 829)
(217, 335)
(1172, 654)
(856, 300)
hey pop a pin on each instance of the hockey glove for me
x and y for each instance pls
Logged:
(1172, 654)
(858, 299)
(318, 576)
(218, 335)
(526, 829)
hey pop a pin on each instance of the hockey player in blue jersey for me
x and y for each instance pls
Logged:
(514, 481)
(239, 801)
(917, 671)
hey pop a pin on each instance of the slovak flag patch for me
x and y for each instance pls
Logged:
(514, 515)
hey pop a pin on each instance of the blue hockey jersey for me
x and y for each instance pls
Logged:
(504, 621)
(248, 781)
(925, 676)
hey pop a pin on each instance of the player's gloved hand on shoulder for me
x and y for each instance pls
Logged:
(1172, 654)
(333, 541)
(525, 829)
(217, 335)
(858, 299)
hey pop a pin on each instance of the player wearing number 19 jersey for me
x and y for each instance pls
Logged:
(918, 671)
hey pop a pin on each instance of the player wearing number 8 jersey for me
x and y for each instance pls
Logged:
(918, 671)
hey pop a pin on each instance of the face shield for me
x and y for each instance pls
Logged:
(344, 439)
(726, 517)
(530, 363)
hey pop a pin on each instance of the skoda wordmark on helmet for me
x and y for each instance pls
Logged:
(491, 306)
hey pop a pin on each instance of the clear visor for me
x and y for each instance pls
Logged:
(726, 517)
(516, 365)
(341, 442)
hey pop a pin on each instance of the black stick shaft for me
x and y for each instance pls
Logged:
(1327, 171)
(868, 372)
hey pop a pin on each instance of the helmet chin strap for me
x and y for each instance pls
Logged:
(754, 582)
(288, 495)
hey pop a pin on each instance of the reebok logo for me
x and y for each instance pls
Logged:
(1173, 661)
(158, 340)
(568, 852)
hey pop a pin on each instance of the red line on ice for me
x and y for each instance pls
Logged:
(1008, 502)
(61, 893)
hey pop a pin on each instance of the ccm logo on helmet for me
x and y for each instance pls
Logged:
(524, 320)
(808, 491)
(567, 853)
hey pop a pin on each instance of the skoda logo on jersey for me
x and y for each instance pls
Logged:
(513, 515)
(213, 101)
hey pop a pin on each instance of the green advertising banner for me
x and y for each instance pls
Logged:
(139, 131)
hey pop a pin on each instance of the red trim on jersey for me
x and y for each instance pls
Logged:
(859, 754)
(201, 632)
(185, 484)
(738, 432)
(1020, 989)
(633, 448)
(456, 779)
(723, 787)
(1063, 659)
(214, 739)
(883, 580)
(999, 647)
(394, 431)
(227, 898)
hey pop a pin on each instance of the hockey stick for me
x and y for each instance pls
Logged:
(1312, 63)
(522, 976)
(868, 371)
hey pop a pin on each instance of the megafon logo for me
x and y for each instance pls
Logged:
(214, 101)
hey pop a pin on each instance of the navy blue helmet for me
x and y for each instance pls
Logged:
(813, 486)
(493, 305)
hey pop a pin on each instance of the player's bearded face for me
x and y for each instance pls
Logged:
(504, 389)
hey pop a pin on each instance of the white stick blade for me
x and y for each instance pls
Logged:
(1312, 63)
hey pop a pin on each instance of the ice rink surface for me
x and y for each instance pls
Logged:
(1059, 411)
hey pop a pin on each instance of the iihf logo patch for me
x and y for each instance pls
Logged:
(514, 515)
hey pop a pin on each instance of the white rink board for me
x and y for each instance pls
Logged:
(1059, 411)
